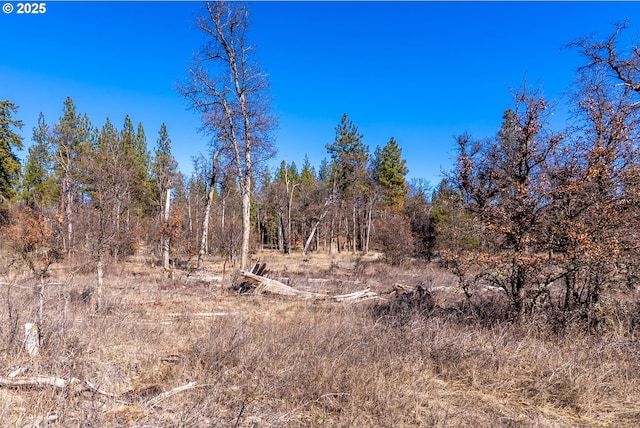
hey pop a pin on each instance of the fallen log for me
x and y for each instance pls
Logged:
(260, 284)
(38, 381)
(263, 284)
(156, 400)
(75, 384)
(365, 294)
(201, 314)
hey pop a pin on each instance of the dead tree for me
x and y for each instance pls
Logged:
(233, 99)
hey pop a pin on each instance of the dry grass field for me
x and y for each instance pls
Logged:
(190, 352)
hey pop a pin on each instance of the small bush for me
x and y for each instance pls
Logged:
(393, 236)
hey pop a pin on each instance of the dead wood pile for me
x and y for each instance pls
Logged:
(256, 281)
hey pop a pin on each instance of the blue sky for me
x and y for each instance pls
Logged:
(421, 72)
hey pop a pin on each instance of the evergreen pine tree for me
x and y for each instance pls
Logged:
(135, 147)
(349, 155)
(164, 166)
(39, 187)
(389, 170)
(9, 140)
(351, 181)
(325, 171)
(145, 181)
(307, 174)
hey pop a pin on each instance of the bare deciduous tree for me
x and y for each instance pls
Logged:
(206, 215)
(229, 89)
(607, 55)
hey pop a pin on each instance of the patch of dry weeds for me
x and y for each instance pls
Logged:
(270, 361)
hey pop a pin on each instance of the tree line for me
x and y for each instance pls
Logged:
(107, 177)
(547, 217)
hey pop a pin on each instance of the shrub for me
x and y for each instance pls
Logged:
(393, 235)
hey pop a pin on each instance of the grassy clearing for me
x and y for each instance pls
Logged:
(268, 361)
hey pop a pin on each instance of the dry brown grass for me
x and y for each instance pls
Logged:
(278, 362)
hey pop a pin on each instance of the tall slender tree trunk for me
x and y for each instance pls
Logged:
(332, 246)
(314, 229)
(68, 213)
(355, 230)
(41, 306)
(246, 188)
(246, 225)
(224, 208)
(166, 237)
(202, 250)
(369, 221)
(116, 227)
(116, 216)
(99, 277)
(280, 232)
(259, 225)
(288, 238)
(310, 238)
(285, 237)
(205, 225)
(207, 243)
(190, 217)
